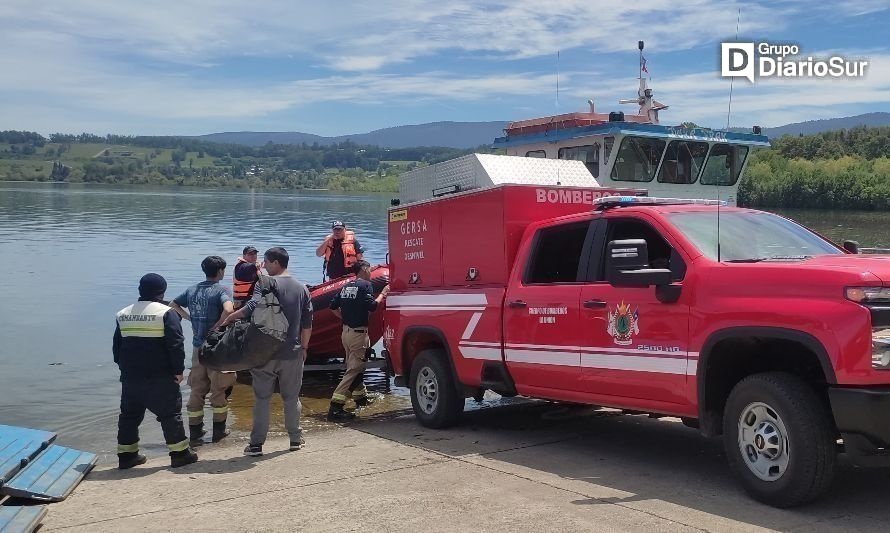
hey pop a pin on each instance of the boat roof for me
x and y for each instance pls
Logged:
(630, 128)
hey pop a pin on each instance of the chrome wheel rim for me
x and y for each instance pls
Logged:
(763, 441)
(427, 390)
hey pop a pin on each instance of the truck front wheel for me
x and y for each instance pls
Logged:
(434, 395)
(779, 439)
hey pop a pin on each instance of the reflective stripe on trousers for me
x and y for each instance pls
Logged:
(128, 448)
(179, 446)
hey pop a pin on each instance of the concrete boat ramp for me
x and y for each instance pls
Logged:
(526, 466)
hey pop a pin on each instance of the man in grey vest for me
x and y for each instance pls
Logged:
(286, 366)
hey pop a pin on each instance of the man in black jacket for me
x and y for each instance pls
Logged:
(354, 304)
(148, 349)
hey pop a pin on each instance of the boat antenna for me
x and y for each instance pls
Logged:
(557, 83)
(728, 114)
(640, 45)
(558, 181)
(732, 78)
(718, 224)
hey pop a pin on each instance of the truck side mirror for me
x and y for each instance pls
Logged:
(852, 247)
(627, 265)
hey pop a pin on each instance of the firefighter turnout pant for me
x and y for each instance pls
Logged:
(203, 380)
(162, 397)
(356, 344)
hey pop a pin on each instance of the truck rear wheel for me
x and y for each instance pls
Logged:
(433, 389)
(779, 439)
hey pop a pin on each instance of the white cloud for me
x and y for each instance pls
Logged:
(355, 35)
(855, 8)
(111, 65)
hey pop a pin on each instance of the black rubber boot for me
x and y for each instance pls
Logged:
(129, 460)
(219, 431)
(196, 435)
(363, 401)
(336, 413)
(185, 457)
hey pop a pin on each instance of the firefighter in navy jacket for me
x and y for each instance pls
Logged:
(148, 349)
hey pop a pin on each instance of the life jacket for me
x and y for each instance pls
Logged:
(241, 288)
(348, 248)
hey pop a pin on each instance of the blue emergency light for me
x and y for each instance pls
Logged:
(607, 202)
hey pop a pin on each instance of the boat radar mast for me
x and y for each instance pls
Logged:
(649, 107)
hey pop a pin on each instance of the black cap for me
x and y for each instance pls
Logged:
(338, 224)
(152, 285)
(249, 250)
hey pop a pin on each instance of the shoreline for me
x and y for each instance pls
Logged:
(225, 187)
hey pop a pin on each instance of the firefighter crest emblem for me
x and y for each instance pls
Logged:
(623, 324)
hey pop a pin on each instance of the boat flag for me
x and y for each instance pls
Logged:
(643, 64)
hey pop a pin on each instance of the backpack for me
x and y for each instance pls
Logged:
(268, 317)
(249, 344)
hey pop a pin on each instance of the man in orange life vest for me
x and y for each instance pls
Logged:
(340, 250)
(245, 276)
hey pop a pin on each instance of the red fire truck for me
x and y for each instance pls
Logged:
(739, 322)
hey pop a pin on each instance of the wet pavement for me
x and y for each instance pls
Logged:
(315, 397)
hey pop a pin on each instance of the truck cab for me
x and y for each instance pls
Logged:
(739, 322)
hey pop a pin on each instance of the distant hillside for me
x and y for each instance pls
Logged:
(259, 138)
(463, 135)
(811, 127)
(459, 135)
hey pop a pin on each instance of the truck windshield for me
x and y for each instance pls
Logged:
(750, 237)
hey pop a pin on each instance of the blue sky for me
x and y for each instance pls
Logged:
(189, 67)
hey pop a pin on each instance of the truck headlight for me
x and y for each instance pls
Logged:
(868, 295)
(880, 348)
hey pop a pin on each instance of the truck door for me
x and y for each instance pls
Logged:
(633, 345)
(541, 313)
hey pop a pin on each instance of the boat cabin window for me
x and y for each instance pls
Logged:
(637, 159)
(536, 153)
(589, 154)
(682, 162)
(724, 164)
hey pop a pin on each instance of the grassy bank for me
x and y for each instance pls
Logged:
(28, 156)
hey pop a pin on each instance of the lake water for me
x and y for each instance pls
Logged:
(75, 253)
(74, 256)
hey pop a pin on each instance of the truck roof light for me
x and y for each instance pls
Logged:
(607, 202)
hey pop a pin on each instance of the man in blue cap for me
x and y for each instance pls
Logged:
(148, 349)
